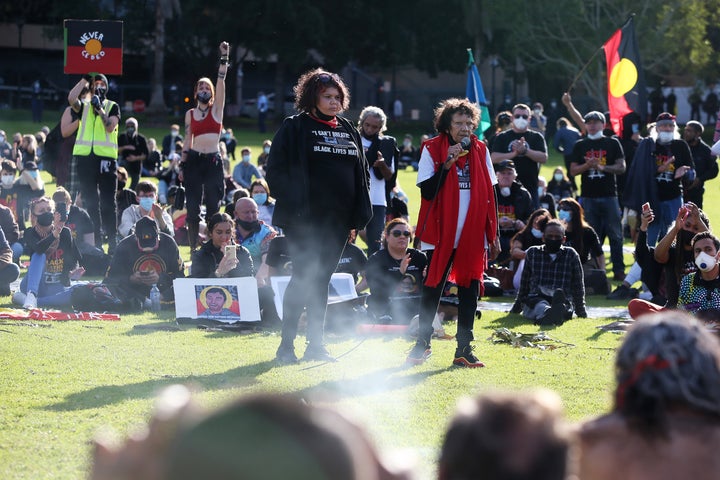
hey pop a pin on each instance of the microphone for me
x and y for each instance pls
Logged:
(465, 144)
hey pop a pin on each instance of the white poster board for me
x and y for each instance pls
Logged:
(226, 300)
(340, 289)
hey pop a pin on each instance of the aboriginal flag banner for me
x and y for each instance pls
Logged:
(93, 46)
(626, 80)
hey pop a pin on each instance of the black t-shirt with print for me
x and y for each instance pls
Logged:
(352, 261)
(670, 187)
(527, 169)
(597, 184)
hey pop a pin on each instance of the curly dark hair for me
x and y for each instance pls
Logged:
(312, 83)
(447, 108)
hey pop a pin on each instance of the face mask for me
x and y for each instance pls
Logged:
(541, 191)
(558, 177)
(249, 226)
(130, 131)
(146, 203)
(260, 198)
(407, 144)
(665, 137)
(505, 191)
(520, 123)
(552, 245)
(705, 262)
(564, 215)
(246, 158)
(121, 184)
(45, 219)
(100, 92)
(595, 136)
(204, 97)
(174, 133)
(266, 150)
(536, 233)
(7, 180)
(33, 173)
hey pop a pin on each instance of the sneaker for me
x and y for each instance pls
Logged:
(30, 301)
(18, 298)
(319, 353)
(286, 355)
(556, 315)
(623, 292)
(419, 353)
(464, 357)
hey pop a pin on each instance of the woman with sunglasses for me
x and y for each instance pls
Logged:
(395, 275)
(457, 224)
(53, 259)
(201, 165)
(319, 175)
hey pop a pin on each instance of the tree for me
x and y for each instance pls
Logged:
(164, 10)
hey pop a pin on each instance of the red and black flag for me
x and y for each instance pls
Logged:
(626, 80)
(93, 46)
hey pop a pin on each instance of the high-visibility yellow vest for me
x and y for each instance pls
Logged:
(92, 136)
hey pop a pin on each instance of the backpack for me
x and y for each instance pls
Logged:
(94, 297)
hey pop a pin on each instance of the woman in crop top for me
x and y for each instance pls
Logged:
(201, 165)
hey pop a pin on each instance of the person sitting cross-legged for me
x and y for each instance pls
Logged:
(551, 270)
(148, 207)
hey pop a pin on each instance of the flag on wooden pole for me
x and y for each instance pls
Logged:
(475, 93)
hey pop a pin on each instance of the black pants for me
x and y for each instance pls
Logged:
(467, 297)
(315, 251)
(204, 181)
(97, 180)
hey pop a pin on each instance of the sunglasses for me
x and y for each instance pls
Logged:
(324, 78)
(399, 233)
(521, 116)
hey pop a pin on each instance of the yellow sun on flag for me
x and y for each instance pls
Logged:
(623, 78)
(93, 46)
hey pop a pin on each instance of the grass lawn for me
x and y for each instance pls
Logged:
(62, 381)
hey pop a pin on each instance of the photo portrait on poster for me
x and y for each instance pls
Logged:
(217, 302)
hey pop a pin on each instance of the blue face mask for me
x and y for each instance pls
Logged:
(33, 173)
(260, 198)
(564, 215)
(536, 233)
(146, 203)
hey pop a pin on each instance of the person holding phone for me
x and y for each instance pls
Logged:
(53, 259)
(220, 256)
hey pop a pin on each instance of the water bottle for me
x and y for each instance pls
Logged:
(154, 298)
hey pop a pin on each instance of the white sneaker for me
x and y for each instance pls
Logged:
(18, 298)
(30, 301)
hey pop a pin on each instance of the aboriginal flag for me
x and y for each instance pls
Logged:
(626, 80)
(93, 46)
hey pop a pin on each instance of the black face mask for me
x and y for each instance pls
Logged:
(45, 219)
(121, 184)
(249, 226)
(552, 245)
(130, 131)
(100, 92)
(686, 237)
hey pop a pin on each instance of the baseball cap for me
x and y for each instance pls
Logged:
(594, 116)
(172, 191)
(100, 76)
(504, 165)
(665, 117)
(146, 232)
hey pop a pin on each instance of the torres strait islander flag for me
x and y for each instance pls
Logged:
(475, 93)
(93, 46)
(626, 80)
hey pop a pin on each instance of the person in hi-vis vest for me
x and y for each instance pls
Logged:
(94, 162)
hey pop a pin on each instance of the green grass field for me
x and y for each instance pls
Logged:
(63, 381)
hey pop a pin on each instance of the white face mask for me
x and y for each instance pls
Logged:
(266, 150)
(505, 191)
(520, 123)
(705, 262)
(665, 137)
(595, 136)
(7, 180)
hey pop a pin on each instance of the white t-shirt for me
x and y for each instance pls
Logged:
(426, 169)
(377, 185)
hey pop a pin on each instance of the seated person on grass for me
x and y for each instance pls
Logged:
(354, 261)
(529, 236)
(53, 259)
(253, 234)
(148, 207)
(16, 193)
(9, 271)
(145, 258)
(551, 270)
(700, 291)
(395, 275)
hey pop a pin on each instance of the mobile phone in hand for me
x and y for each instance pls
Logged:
(646, 207)
(231, 250)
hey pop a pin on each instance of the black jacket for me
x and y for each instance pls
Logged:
(288, 177)
(206, 259)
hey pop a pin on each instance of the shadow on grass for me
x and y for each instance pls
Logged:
(102, 396)
(379, 381)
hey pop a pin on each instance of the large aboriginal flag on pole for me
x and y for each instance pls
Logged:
(93, 46)
(626, 80)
